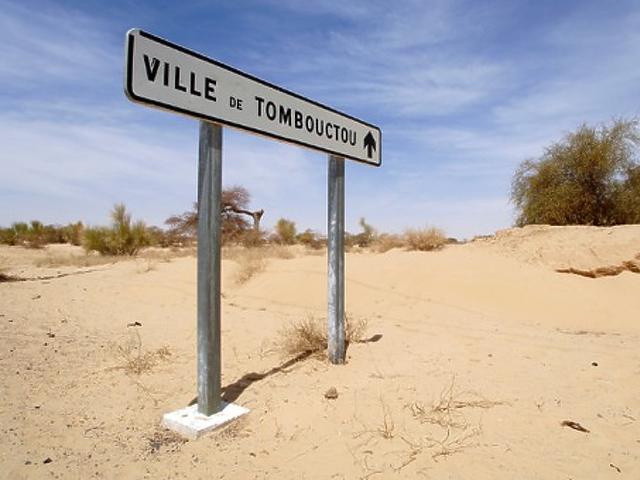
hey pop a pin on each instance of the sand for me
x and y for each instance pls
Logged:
(476, 355)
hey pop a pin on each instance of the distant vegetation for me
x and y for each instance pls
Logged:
(124, 237)
(590, 177)
(36, 235)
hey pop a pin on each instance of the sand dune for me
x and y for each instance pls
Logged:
(482, 350)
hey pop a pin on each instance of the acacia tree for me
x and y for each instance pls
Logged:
(234, 207)
(590, 177)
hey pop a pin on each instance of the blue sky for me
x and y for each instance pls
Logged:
(462, 90)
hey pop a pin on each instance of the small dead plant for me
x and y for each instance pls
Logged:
(165, 441)
(446, 411)
(451, 443)
(388, 426)
(136, 360)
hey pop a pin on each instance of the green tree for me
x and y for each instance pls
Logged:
(286, 231)
(590, 177)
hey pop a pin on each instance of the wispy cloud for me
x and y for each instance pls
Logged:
(45, 44)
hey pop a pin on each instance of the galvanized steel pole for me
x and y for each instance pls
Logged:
(335, 234)
(209, 194)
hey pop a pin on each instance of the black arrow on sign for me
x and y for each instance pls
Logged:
(369, 144)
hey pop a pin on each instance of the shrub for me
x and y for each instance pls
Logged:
(387, 241)
(122, 238)
(424, 239)
(310, 239)
(73, 233)
(591, 177)
(286, 231)
(367, 236)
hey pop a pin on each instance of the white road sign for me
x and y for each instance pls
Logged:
(167, 76)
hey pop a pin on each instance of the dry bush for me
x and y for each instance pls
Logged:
(136, 360)
(425, 239)
(387, 241)
(309, 335)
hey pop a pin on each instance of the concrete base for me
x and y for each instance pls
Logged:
(191, 424)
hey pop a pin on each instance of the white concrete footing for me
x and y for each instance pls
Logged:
(191, 424)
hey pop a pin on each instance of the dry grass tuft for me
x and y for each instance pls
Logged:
(355, 329)
(137, 361)
(425, 239)
(61, 260)
(250, 263)
(304, 336)
(309, 335)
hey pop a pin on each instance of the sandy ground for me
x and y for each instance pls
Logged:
(478, 353)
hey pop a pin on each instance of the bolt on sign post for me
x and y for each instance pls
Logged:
(163, 75)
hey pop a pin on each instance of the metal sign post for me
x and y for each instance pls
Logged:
(335, 260)
(163, 75)
(209, 194)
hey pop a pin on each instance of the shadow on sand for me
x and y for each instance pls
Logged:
(231, 392)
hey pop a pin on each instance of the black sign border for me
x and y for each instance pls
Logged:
(137, 98)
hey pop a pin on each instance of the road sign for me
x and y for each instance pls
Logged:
(168, 76)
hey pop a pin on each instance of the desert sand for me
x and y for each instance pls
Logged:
(473, 358)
